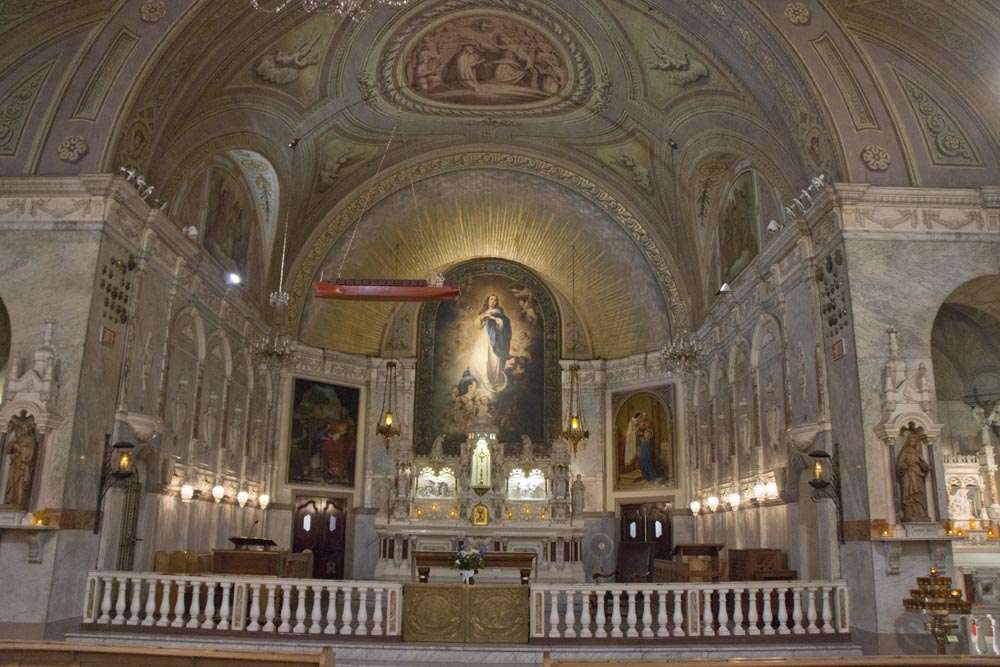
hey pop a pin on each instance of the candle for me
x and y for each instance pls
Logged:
(818, 472)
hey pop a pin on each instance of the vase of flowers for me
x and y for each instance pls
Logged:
(468, 562)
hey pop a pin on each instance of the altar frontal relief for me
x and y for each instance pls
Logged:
(323, 439)
(644, 439)
(488, 360)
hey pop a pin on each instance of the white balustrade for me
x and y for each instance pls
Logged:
(980, 631)
(648, 611)
(247, 604)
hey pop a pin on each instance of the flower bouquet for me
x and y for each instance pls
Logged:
(468, 562)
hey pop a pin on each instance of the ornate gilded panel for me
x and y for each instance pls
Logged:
(497, 614)
(433, 613)
(457, 613)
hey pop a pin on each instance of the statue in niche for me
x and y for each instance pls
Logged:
(579, 490)
(911, 471)
(773, 418)
(437, 449)
(283, 67)
(147, 364)
(179, 408)
(236, 429)
(211, 419)
(527, 449)
(745, 428)
(22, 447)
(403, 474)
(724, 435)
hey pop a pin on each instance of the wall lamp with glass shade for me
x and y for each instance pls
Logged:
(759, 492)
(187, 493)
(695, 507)
(116, 469)
(734, 501)
(826, 483)
(713, 503)
(242, 497)
(263, 500)
(218, 493)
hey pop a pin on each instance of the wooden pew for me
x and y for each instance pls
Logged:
(67, 654)
(859, 661)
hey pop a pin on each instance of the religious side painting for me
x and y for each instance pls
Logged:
(229, 222)
(323, 439)
(485, 59)
(492, 354)
(738, 227)
(644, 439)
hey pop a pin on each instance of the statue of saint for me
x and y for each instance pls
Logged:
(22, 445)
(911, 471)
(527, 448)
(959, 505)
(578, 492)
(437, 448)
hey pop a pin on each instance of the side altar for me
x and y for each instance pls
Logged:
(483, 496)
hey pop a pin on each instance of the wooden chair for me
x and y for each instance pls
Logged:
(634, 563)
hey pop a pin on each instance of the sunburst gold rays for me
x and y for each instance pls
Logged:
(447, 233)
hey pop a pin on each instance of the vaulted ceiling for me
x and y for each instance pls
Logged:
(398, 145)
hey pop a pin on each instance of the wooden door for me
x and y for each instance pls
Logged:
(320, 525)
(649, 522)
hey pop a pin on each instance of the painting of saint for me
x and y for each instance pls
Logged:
(229, 222)
(485, 60)
(738, 227)
(488, 361)
(644, 440)
(323, 439)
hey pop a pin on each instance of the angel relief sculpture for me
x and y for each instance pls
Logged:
(485, 61)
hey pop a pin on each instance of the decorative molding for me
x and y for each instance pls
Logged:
(947, 143)
(843, 76)
(152, 11)
(876, 158)
(797, 13)
(72, 149)
(15, 108)
(99, 85)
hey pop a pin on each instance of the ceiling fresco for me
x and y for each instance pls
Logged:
(635, 112)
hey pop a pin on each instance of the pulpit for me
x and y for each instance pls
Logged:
(683, 570)
(251, 555)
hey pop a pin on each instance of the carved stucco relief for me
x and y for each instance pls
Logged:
(16, 106)
(946, 142)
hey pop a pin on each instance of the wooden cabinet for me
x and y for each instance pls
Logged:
(756, 564)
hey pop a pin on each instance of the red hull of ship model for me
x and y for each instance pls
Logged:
(326, 290)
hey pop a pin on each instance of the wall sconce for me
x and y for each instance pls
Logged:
(115, 469)
(713, 503)
(542, 515)
(218, 493)
(695, 507)
(451, 514)
(734, 501)
(434, 508)
(263, 500)
(242, 497)
(759, 492)
(510, 515)
(420, 514)
(826, 483)
(527, 510)
(771, 490)
(187, 493)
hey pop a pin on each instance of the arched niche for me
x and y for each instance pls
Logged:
(185, 351)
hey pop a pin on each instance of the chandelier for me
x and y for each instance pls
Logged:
(576, 428)
(387, 427)
(274, 349)
(347, 8)
(683, 353)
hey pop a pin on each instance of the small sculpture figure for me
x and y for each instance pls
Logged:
(959, 505)
(437, 449)
(578, 491)
(911, 471)
(527, 448)
(21, 447)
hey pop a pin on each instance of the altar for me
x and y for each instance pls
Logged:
(466, 614)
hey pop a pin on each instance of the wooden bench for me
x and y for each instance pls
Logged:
(65, 654)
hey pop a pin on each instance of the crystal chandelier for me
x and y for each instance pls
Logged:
(274, 349)
(576, 429)
(346, 8)
(683, 353)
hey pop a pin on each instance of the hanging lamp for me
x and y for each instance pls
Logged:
(382, 289)
(388, 427)
(576, 428)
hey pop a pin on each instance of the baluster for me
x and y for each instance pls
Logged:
(811, 626)
(970, 625)
(616, 615)
(797, 611)
(768, 617)
(347, 616)
(136, 605)
(661, 613)
(678, 613)
(570, 614)
(647, 614)
(317, 610)
(707, 628)
(331, 614)
(827, 626)
(195, 611)
(286, 608)
(995, 625)
(269, 612)
(554, 614)
(600, 621)
(782, 613)
(585, 615)
(300, 610)
(122, 586)
(150, 603)
(105, 616)
(89, 610)
(164, 619)
(723, 613)
(362, 626)
(377, 614)
(224, 607)
(752, 612)
(209, 623)
(738, 628)
(632, 621)
(178, 621)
